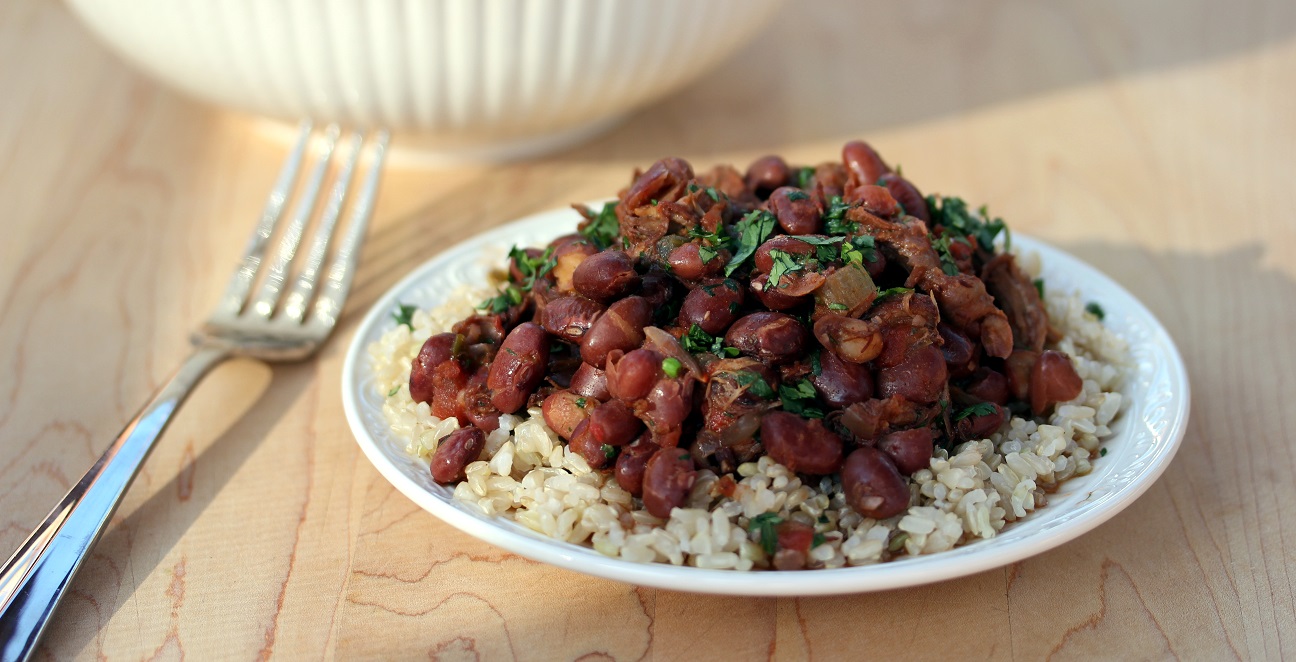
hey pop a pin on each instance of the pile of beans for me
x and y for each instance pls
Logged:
(830, 317)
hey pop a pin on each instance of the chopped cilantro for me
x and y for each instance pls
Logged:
(753, 230)
(508, 297)
(706, 253)
(1102, 452)
(793, 196)
(698, 341)
(860, 249)
(953, 213)
(817, 241)
(1096, 310)
(817, 540)
(1039, 286)
(783, 265)
(715, 195)
(671, 366)
(609, 451)
(404, 314)
(580, 402)
(978, 409)
(754, 383)
(834, 217)
(804, 177)
(394, 391)
(816, 367)
(942, 246)
(823, 519)
(604, 228)
(764, 525)
(801, 399)
(713, 241)
(837, 307)
(897, 542)
(892, 291)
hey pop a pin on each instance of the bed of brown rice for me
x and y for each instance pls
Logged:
(526, 473)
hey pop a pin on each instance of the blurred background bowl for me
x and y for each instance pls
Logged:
(473, 79)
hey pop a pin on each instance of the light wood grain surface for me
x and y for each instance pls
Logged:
(1155, 139)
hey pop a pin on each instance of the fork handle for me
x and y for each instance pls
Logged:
(38, 575)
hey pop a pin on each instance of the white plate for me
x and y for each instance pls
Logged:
(1144, 439)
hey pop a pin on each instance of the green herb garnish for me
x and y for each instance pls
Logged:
(891, 291)
(609, 451)
(953, 213)
(783, 265)
(804, 177)
(404, 314)
(1096, 310)
(897, 543)
(834, 217)
(580, 402)
(817, 540)
(754, 383)
(816, 368)
(793, 196)
(837, 307)
(671, 366)
(765, 526)
(394, 391)
(1102, 452)
(942, 246)
(698, 341)
(753, 230)
(604, 228)
(978, 409)
(801, 399)
(1039, 286)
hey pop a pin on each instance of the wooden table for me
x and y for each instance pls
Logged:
(1155, 139)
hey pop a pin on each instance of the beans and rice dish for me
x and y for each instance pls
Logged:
(786, 368)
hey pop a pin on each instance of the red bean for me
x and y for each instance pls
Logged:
(874, 199)
(863, 163)
(919, 378)
(519, 366)
(686, 262)
(773, 337)
(980, 426)
(764, 259)
(775, 298)
(853, 340)
(957, 349)
(456, 451)
(766, 174)
(631, 464)
(564, 410)
(713, 306)
(631, 376)
(605, 276)
(590, 382)
(614, 423)
(873, 486)
(1053, 379)
(476, 405)
(797, 212)
(657, 288)
(841, 383)
(1018, 366)
(667, 479)
(909, 450)
(668, 404)
(621, 327)
(664, 180)
(435, 351)
(587, 446)
(802, 445)
(570, 317)
(907, 195)
(567, 258)
(988, 386)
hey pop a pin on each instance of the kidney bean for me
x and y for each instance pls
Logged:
(920, 377)
(957, 349)
(1018, 367)
(773, 337)
(567, 257)
(764, 260)
(853, 340)
(876, 266)
(686, 262)
(668, 404)
(1053, 379)
(657, 288)
(519, 366)
(613, 423)
(664, 181)
(631, 464)
(621, 327)
(456, 451)
(909, 450)
(988, 386)
(980, 426)
(587, 446)
(766, 174)
(862, 162)
(605, 276)
(905, 193)
(667, 479)
(570, 317)
(841, 383)
(775, 298)
(475, 404)
(797, 212)
(713, 306)
(590, 382)
(435, 351)
(479, 329)
(802, 445)
(631, 376)
(873, 486)
(874, 199)
(563, 411)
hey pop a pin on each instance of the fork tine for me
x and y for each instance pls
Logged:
(263, 304)
(236, 292)
(294, 307)
(334, 291)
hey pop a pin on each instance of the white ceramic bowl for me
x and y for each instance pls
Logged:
(1145, 438)
(477, 78)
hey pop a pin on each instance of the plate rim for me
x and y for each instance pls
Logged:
(913, 571)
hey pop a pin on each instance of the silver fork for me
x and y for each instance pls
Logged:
(267, 325)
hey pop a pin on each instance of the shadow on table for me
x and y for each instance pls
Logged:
(914, 62)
